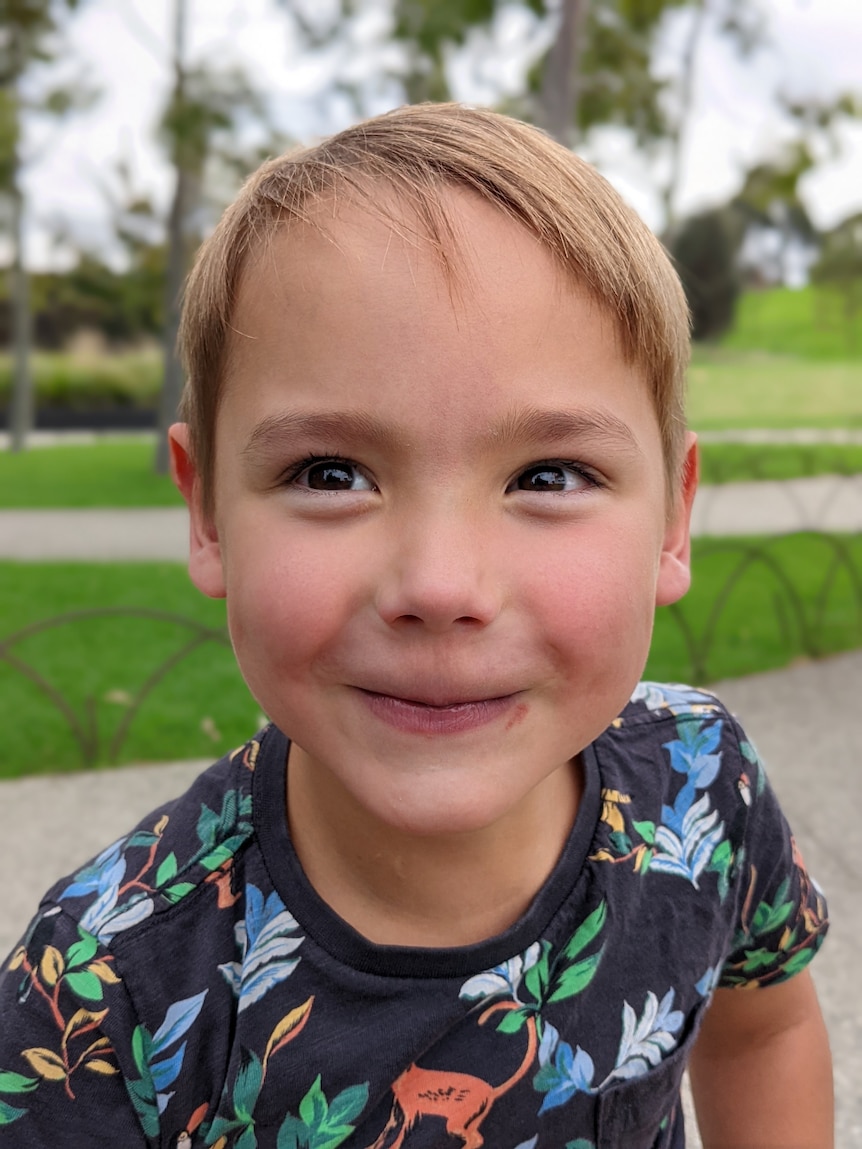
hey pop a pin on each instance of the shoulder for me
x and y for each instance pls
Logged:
(168, 856)
(671, 722)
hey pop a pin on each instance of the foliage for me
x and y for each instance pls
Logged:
(839, 268)
(91, 382)
(705, 249)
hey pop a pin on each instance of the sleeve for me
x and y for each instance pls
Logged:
(781, 917)
(61, 1082)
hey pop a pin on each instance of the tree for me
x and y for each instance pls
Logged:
(705, 250)
(839, 268)
(28, 36)
(204, 118)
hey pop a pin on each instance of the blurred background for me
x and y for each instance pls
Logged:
(733, 126)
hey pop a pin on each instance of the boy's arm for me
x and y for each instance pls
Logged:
(761, 1070)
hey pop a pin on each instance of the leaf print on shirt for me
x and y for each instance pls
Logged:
(14, 1085)
(689, 837)
(239, 1102)
(56, 977)
(545, 979)
(124, 898)
(646, 1040)
(675, 697)
(267, 940)
(158, 1069)
(768, 956)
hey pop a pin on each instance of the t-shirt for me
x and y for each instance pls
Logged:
(189, 987)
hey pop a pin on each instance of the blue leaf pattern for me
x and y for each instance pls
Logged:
(267, 939)
(646, 1040)
(502, 979)
(563, 1071)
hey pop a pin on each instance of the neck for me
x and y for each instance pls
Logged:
(444, 890)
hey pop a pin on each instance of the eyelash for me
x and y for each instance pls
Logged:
(295, 470)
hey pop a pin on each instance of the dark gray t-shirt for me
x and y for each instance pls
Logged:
(189, 988)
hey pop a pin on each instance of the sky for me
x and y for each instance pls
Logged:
(122, 47)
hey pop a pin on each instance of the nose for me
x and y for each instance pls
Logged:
(440, 573)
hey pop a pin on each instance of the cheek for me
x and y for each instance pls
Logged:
(598, 603)
(285, 610)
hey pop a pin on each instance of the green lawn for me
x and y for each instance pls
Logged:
(807, 322)
(118, 473)
(99, 665)
(113, 473)
(755, 604)
(737, 462)
(736, 391)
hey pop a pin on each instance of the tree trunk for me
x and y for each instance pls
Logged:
(172, 382)
(677, 137)
(558, 100)
(22, 405)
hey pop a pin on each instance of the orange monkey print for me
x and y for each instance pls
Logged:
(462, 1100)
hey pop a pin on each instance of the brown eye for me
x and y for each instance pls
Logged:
(333, 475)
(550, 477)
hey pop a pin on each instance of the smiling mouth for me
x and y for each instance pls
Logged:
(418, 716)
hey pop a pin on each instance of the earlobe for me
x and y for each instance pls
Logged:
(674, 575)
(205, 559)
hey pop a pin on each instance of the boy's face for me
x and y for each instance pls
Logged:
(440, 515)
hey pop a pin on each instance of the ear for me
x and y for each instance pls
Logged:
(205, 558)
(674, 574)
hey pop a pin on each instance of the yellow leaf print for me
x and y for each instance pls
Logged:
(103, 972)
(288, 1028)
(46, 1064)
(84, 1017)
(52, 966)
(611, 813)
(17, 958)
(102, 1067)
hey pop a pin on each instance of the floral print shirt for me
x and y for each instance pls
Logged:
(188, 988)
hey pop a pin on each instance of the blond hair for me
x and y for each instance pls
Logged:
(416, 151)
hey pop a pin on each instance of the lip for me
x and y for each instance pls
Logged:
(431, 718)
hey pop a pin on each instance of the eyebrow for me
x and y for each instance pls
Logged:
(531, 427)
(536, 426)
(353, 426)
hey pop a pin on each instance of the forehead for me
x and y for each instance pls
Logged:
(382, 251)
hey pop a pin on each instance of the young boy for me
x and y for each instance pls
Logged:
(463, 891)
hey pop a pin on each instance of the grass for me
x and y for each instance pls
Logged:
(807, 322)
(780, 599)
(200, 709)
(738, 462)
(734, 391)
(114, 473)
(118, 473)
(757, 604)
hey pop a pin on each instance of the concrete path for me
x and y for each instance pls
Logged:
(826, 503)
(805, 721)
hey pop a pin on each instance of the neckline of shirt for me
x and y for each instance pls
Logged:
(346, 945)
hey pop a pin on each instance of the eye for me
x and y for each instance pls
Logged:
(332, 475)
(552, 477)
